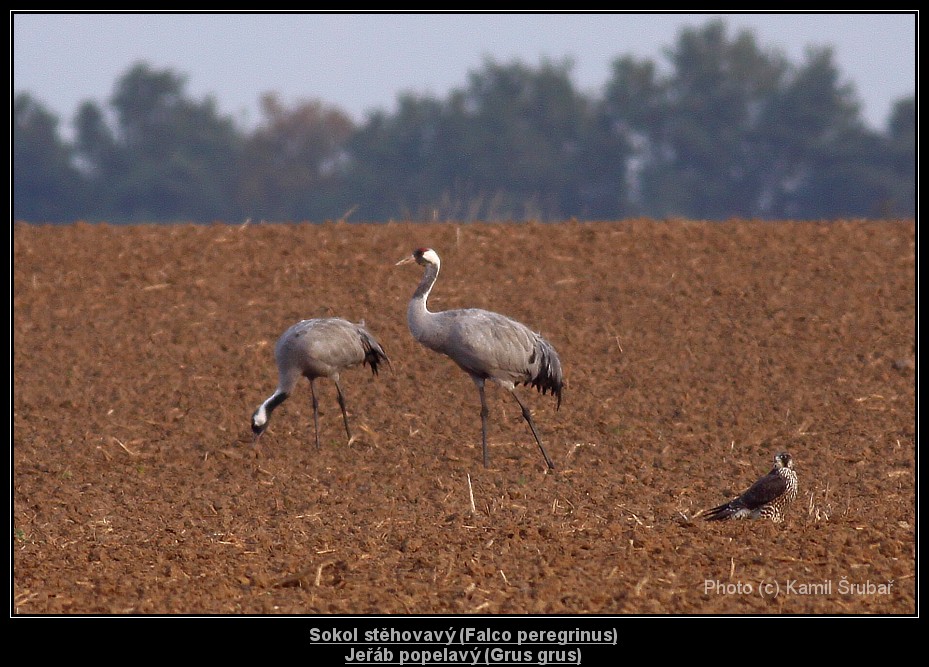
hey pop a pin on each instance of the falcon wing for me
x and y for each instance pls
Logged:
(764, 490)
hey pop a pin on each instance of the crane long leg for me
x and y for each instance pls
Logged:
(338, 388)
(528, 417)
(315, 411)
(479, 383)
(484, 412)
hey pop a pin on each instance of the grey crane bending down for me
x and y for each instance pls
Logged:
(486, 345)
(313, 349)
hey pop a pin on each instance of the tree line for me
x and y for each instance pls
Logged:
(723, 129)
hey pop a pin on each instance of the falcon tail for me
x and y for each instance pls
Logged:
(719, 513)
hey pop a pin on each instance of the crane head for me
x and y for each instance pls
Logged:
(421, 256)
(259, 422)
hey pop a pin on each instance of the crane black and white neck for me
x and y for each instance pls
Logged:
(322, 347)
(486, 346)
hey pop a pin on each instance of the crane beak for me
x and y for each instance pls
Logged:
(406, 260)
(257, 431)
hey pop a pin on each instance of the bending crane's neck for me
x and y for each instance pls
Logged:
(417, 313)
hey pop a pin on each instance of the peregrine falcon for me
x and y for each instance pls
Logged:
(767, 498)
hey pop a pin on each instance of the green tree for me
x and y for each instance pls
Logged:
(819, 158)
(169, 158)
(735, 131)
(405, 164)
(46, 185)
(516, 142)
(634, 115)
(901, 137)
(99, 157)
(698, 124)
(526, 138)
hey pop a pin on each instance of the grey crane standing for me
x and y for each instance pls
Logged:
(486, 345)
(316, 348)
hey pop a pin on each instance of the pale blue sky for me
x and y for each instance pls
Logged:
(361, 62)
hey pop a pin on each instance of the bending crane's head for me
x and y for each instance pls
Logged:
(259, 422)
(421, 256)
(783, 460)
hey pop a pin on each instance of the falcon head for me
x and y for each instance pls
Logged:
(783, 460)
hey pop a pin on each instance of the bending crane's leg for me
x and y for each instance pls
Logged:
(315, 411)
(338, 388)
(528, 417)
(484, 412)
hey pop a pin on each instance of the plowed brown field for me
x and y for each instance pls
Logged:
(693, 353)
